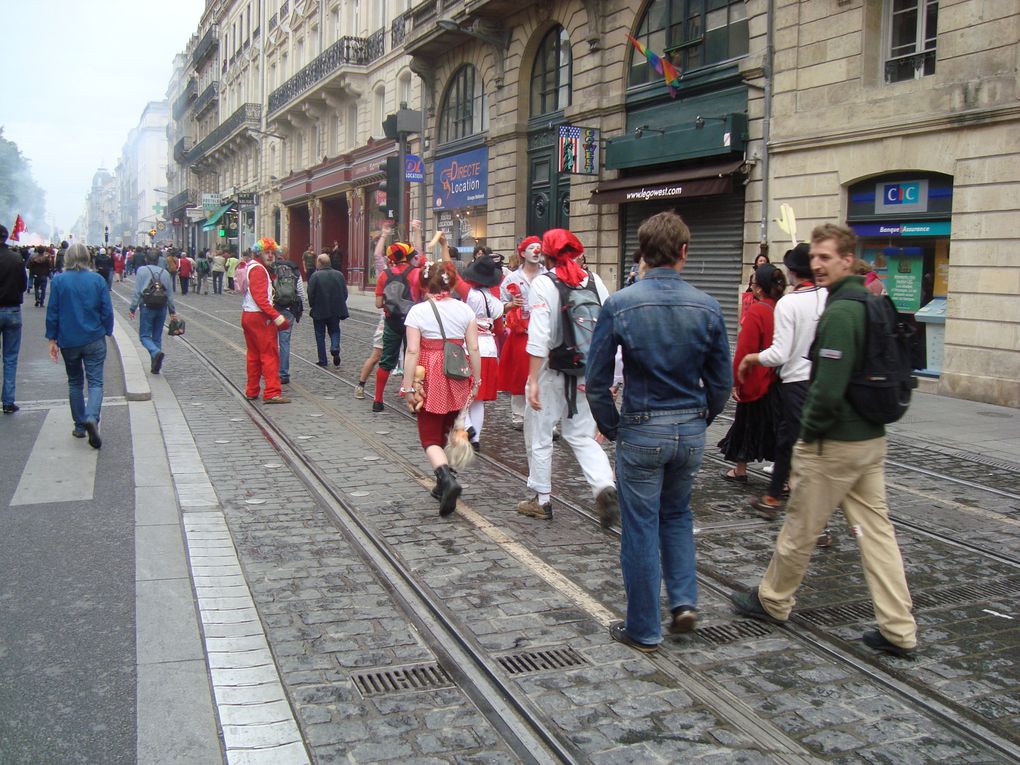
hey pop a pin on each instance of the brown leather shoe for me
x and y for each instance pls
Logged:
(278, 400)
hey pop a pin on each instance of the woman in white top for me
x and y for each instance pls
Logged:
(481, 275)
(442, 397)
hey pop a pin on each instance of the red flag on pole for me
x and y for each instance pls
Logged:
(19, 226)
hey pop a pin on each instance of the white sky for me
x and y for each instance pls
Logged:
(77, 74)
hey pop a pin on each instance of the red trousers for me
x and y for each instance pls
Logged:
(263, 355)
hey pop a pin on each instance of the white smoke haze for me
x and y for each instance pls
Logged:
(77, 77)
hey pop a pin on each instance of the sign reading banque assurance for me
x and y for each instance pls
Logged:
(461, 180)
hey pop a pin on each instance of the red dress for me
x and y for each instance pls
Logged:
(442, 394)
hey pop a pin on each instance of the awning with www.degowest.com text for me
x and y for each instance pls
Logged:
(688, 182)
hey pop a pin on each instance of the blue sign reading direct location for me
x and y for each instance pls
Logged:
(414, 170)
(461, 180)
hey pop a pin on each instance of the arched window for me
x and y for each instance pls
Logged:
(550, 79)
(378, 109)
(465, 109)
(691, 33)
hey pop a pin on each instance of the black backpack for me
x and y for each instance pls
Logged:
(397, 297)
(154, 295)
(579, 311)
(880, 387)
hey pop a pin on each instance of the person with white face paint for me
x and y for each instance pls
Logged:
(553, 395)
(513, 361)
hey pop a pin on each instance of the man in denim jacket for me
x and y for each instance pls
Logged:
(676, 379)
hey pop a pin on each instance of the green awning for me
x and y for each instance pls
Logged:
(210, 224)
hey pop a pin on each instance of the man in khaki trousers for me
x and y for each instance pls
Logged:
(838, 460)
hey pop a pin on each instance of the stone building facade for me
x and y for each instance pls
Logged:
(896, 117)
(903, 120)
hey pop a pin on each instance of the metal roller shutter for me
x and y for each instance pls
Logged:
(714, 258)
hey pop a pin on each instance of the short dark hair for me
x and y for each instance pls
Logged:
(661, 237)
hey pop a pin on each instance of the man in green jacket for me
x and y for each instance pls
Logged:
(838, 460)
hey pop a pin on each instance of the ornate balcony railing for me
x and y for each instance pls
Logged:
(210, 40)
(245, 115)
(181, 102)
(910, 67)
(181, 150)
(177, 201)
(375, 46)
(209, 96)
(398, 30)
(346, 50)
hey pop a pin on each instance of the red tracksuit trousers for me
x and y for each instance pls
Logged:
(263, 355)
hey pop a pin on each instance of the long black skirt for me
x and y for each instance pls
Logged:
(752, 436)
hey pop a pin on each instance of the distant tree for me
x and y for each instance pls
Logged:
(19, 193)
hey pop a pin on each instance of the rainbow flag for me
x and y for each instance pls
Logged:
(669, 72)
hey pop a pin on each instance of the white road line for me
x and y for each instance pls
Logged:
(60, 468)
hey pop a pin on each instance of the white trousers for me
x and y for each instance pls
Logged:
(578, 431)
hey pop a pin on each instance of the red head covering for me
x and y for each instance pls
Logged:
(399, 252)
(563, 247)
(526, 243)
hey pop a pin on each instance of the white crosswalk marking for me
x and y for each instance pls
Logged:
(60, 468)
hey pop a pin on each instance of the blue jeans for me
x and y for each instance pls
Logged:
(332, 324)
(283, 336)
(10, 333)
(658, 455)
(217, 282)
(150, 329)
(40, 289)
(85, 362)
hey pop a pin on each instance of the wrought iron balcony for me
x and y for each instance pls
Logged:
(209, 42)
(910, 67)
(177, 201)
(248, 115)
(345, 51)
(181, 150)
(181, 102)
(208, 97)
(398, 30)
(375, 46)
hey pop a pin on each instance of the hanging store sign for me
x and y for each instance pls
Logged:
(414, 169)
(578, 150)
(247, 198)
(210, 202)
(461, 180)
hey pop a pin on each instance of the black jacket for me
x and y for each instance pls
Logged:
(13, 279)
(327, 295)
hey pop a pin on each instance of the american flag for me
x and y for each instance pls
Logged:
(570, 148)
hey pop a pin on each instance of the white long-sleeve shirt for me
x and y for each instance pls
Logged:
(545, 331)
(796, 318)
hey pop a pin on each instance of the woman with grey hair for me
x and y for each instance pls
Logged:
(79, 317)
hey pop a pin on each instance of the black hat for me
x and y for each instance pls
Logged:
(798, 260)
(484, 271)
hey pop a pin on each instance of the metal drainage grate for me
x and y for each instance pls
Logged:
(965, 593)
(539, 661)
(828, 616)
(420, 677)
(720, 634)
